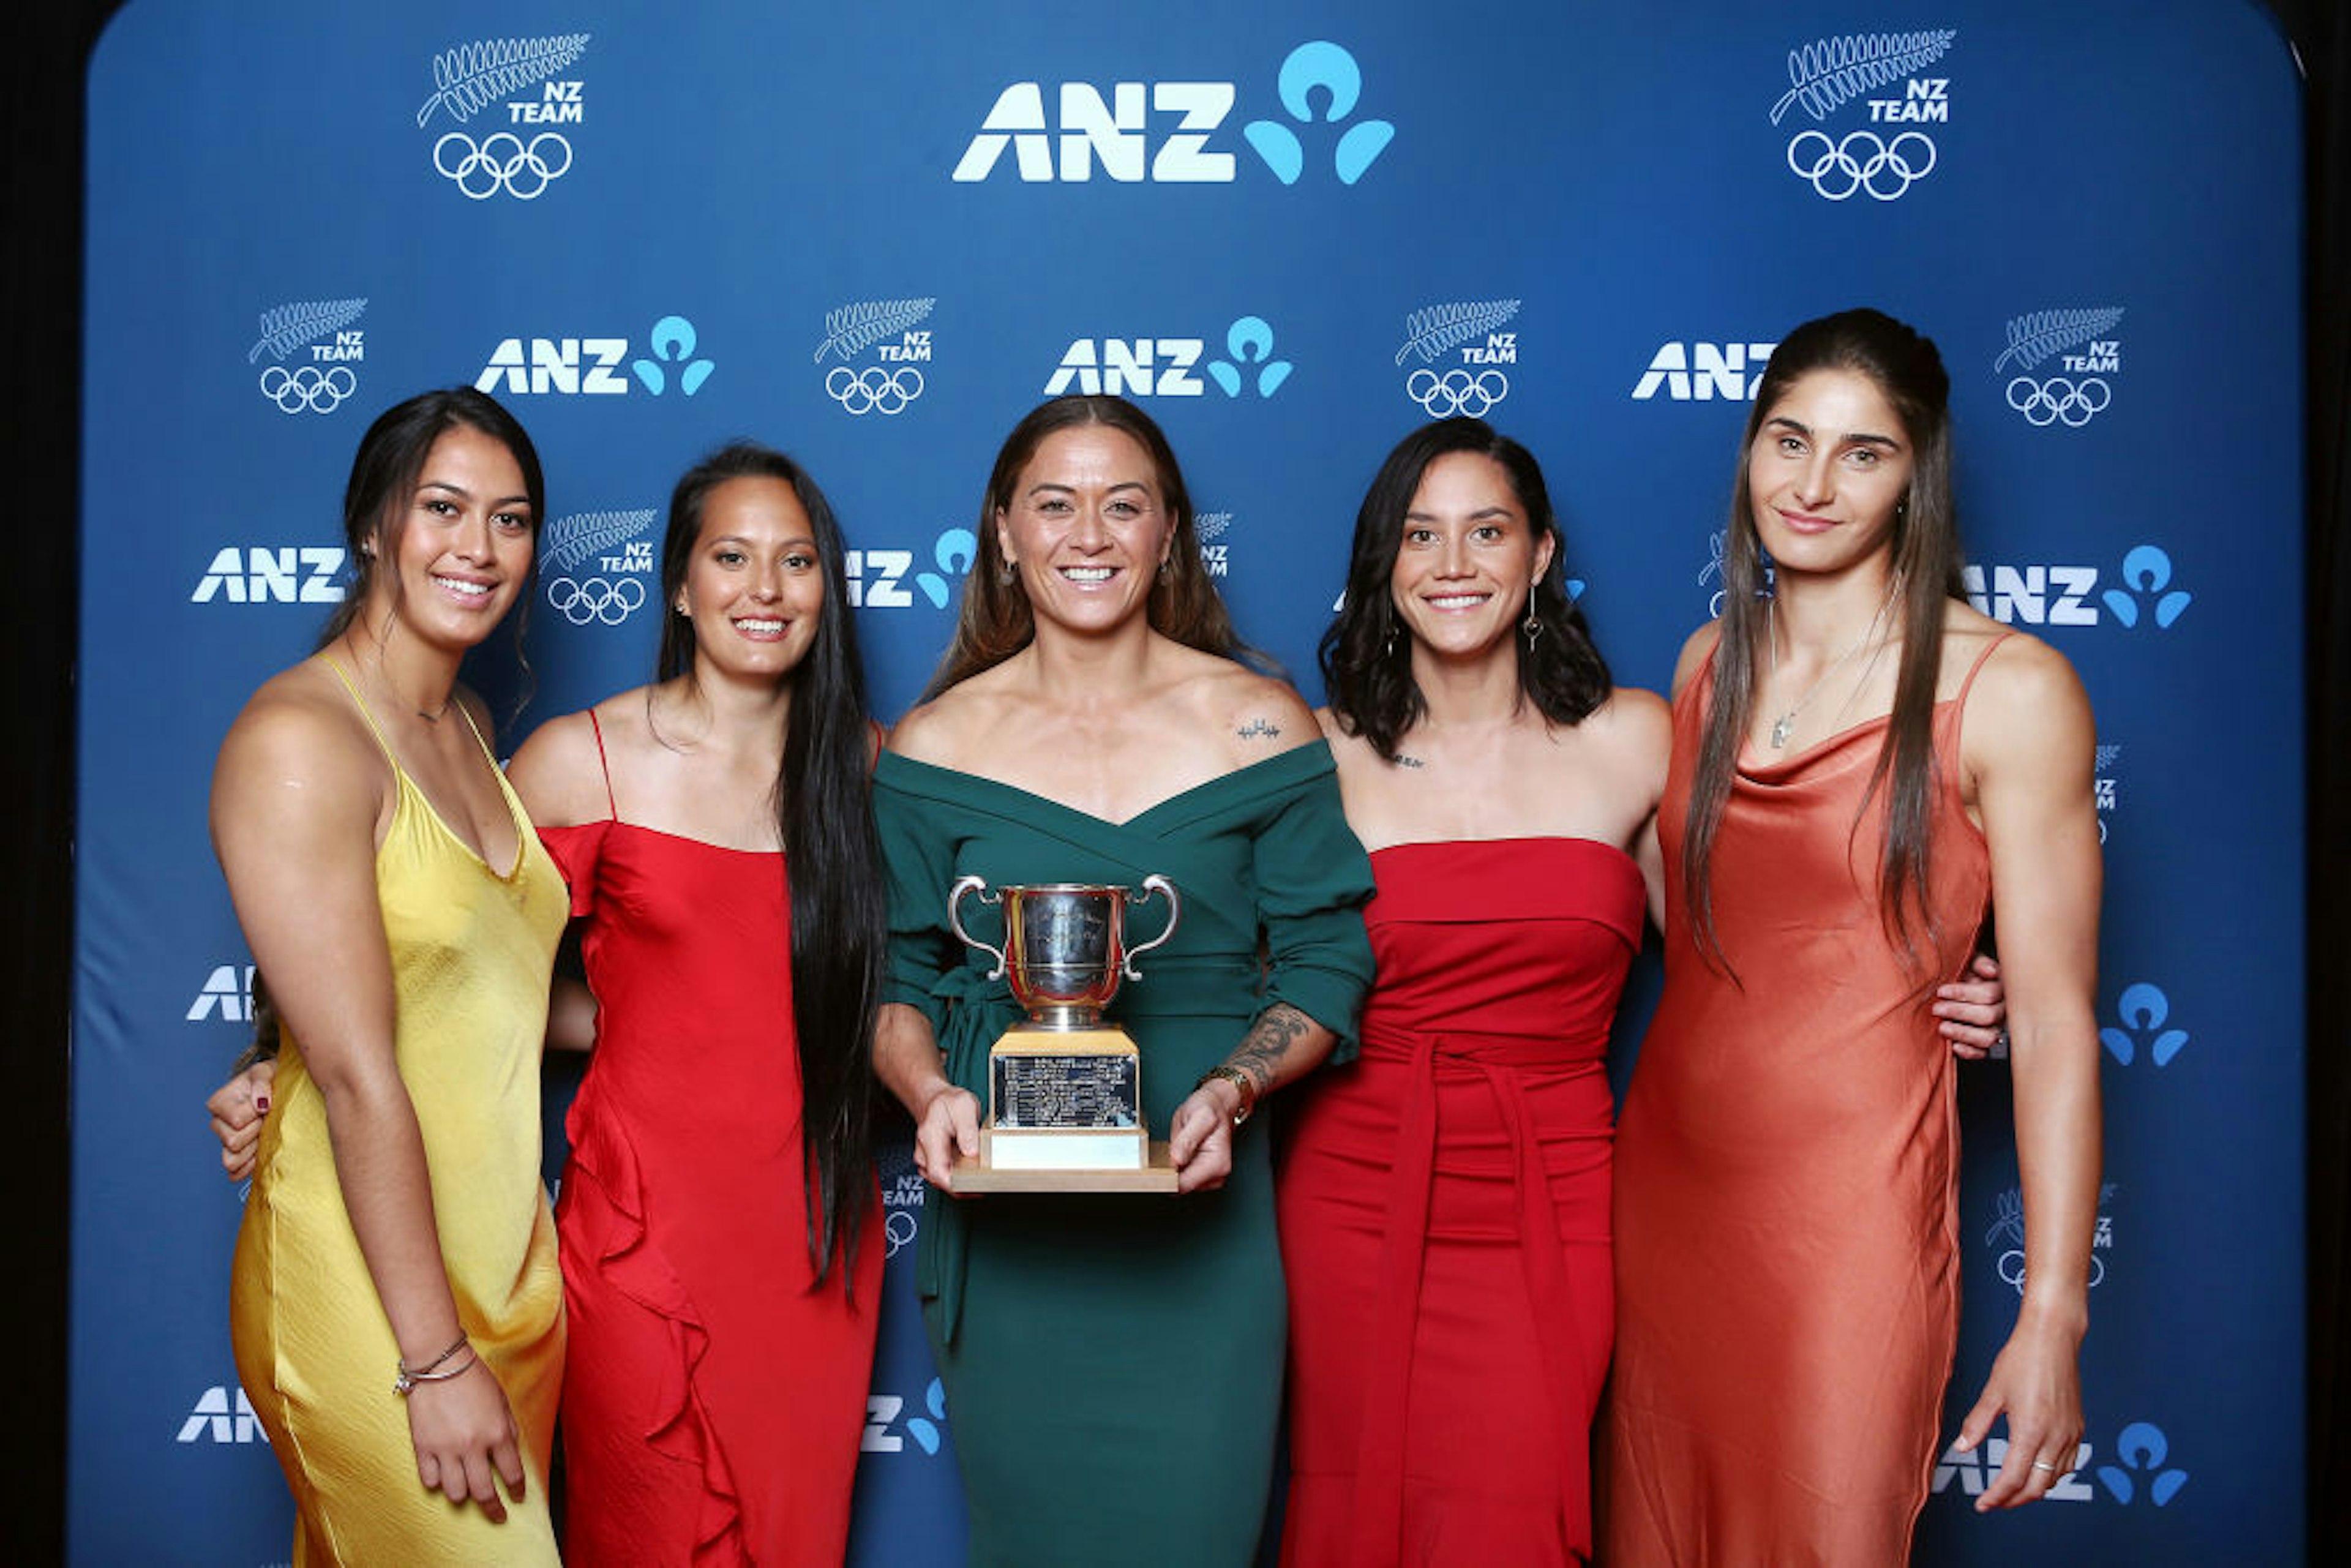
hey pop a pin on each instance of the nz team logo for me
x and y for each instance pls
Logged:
(598, 566)
(2007, 1233)
(511, 106)
(1211, 529)
(1887, 152)
(594, 367)
(2106, 785)
(1167, 132)
(1172, 367)
(2146, 594)
(313, 346)
(2059, 364)
(1463, 357)
(890, 332)
(901, 1199)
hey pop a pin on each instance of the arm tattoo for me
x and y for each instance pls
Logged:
(1276, 1028)
(1259, 729)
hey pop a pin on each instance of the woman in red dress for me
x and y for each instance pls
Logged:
(719, 1214)
(1444, 1200)
(1861, 765)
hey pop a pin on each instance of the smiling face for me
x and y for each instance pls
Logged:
(754, 584)
(1830, 465)
(1086, 527)
(1467, 557)
(463, 550)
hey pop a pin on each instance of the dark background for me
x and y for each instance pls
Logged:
(48, 46)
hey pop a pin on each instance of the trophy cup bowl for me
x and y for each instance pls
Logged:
(1065, 1088)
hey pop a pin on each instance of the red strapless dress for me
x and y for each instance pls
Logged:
(1443, 1212)
(714, 1395)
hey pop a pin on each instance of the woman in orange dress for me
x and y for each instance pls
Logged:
(1861, 767)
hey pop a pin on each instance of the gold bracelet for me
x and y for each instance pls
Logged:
(1240, 1081)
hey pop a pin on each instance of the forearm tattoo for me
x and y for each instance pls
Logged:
(1261, 1051)
(1259, 729)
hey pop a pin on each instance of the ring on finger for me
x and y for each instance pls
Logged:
(2045, 1465)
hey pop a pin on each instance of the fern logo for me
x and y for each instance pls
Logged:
(2079, 350)
(1457, 351)
(891, 332)
(1827, 74)
(319, 337)
(1216, 551)
(2007, 1233)
(597, 564)
(485, 89)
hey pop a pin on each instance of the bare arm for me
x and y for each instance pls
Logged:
(295, 799)
(1282, 1046)
(2029, 745)
(946, 1119)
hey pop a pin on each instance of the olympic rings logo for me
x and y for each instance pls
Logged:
(2012, 1266)
(898, 1229)
(502, 162)
(1837, 170)
(309, 389)
(596, 599)
(1456, 392)
(2045, 402)
(873, 390)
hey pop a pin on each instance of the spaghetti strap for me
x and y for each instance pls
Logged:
(606, 764)
(1976, 668)
(367, 714)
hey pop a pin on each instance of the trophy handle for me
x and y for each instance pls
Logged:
(1159, 884)
(964, 885)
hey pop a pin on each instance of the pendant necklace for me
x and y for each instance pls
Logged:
(1785, 725)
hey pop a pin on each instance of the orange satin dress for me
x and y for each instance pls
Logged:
(1787, 1170)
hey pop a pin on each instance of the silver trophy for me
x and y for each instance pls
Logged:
(1065, 1088)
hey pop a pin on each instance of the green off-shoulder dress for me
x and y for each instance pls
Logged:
(1113, 1362)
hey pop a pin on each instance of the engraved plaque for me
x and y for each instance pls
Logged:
(1089, 1091)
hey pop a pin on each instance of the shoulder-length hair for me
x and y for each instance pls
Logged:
(1366, 651)
(1907, 370)
(995, 621)
(384, 472)
(832, 857)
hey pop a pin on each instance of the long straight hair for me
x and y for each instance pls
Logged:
(1907, 370)
(824, 815)
(1366, 653)
(995, 620)
(385, 471)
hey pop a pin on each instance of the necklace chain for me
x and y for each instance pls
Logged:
(1785, 725)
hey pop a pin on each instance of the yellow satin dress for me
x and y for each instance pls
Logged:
(471, 954)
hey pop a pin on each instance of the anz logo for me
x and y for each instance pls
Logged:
(260, 574)
(222, 1415)
(1162, 367)
(1702, 373)
(2053, 595)
(592, 366)
(1159, 132)
(886, 1417)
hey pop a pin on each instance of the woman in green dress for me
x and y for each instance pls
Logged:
(1113, 1362)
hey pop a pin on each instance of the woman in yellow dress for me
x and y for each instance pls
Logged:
(396, 1309)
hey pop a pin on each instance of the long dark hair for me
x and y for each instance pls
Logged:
(1907, 370)
(1366, 653)
(995, 622)
(825, 815)
(384, 472)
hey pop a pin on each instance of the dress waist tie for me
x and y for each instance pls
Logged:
(1380, 1458)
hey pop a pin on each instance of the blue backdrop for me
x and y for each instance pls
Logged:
(875, 236)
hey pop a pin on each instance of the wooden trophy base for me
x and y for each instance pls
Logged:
(976, 1175)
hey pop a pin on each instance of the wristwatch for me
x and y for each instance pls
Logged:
(1239, 1080)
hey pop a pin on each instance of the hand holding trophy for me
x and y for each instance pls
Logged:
(1064, 1087)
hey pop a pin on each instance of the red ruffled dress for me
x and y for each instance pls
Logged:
(1444, 1205)
(714, 1394)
